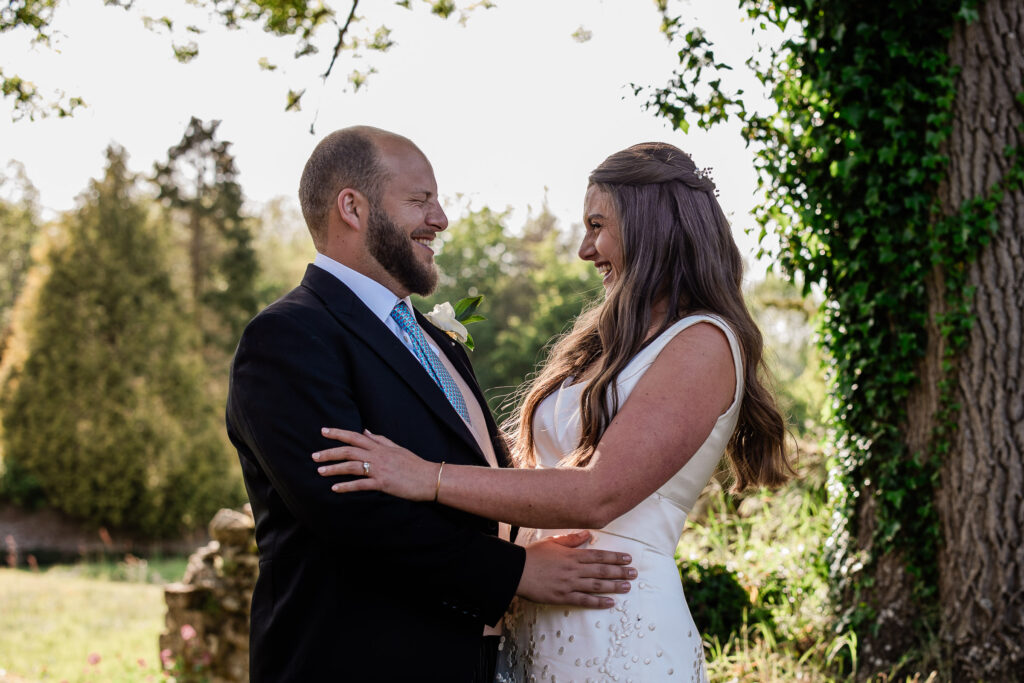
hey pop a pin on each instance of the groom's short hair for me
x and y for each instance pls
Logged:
(347, 158)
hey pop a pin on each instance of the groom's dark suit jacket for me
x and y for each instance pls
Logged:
(361, 586)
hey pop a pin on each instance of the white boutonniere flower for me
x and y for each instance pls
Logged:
(452, 320)
(443, 317)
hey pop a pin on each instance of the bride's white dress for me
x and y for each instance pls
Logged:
(649, 635)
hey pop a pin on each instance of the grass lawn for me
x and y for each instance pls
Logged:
(57, 626)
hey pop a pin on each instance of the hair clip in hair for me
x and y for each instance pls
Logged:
(705, 174)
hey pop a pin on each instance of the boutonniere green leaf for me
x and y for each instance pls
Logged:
(452, 320)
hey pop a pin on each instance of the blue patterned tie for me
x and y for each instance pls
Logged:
(428, 359)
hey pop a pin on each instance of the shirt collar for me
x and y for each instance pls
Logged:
(378, 298)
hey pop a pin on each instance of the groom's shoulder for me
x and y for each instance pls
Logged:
(297, 310)
(300, 301)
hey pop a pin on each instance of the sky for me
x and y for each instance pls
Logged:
(509, 107)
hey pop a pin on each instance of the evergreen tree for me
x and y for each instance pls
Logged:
(283, 248)
(198, 183)
(19, 228)
(104, 416)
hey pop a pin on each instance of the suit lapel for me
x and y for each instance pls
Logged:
(461, 363)
(447, 346)
(360, 321)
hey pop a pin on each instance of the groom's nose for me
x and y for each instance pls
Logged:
(436, 217)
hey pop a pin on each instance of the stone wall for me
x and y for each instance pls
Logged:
(207, 636)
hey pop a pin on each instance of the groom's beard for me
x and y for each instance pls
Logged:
(393, 249)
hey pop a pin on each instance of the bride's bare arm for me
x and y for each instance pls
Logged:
(657, 430)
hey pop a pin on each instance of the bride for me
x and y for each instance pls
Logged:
(623, 427)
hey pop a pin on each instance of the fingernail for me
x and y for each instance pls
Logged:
(624, 586)
(631, 573)
(324, 430)
(625, 558)
(608, 602)
(336, 487)
(367, 431)
(316, 456)
(321, 470)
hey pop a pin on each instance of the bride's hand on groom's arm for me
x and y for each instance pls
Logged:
(557, 572)
(378, 464)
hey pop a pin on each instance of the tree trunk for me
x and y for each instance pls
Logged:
(981, 496)
(981, 500)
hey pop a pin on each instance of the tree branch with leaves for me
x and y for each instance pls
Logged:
(308, 23)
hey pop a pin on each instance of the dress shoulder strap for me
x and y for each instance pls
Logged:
(649, 353)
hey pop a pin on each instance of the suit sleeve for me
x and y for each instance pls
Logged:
(279, 399)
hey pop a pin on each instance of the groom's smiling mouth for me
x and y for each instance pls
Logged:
(424, 241)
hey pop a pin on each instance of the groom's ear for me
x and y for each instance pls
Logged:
(353, 208)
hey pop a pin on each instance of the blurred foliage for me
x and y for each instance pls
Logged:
(717, 601)
(283, 248)
(199, 186)
(788, 318)
(308, 24)
(19, 229)
(158, 569)
(769, 543)
(104, 413)
(533, 285)
(35, 17)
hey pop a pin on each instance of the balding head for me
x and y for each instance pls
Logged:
(347, 158)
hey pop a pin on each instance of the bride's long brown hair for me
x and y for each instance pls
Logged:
(677, 247)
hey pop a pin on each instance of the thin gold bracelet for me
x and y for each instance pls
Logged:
(438, 489)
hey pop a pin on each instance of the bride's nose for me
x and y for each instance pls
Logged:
(586, 250)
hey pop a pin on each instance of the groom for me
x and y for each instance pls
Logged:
(364, 586)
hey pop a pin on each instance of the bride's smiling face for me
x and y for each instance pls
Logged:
(602, 241)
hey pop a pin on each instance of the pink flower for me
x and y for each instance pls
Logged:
(167, 658)
(142, 663)
(187, 632)
(94, 659)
